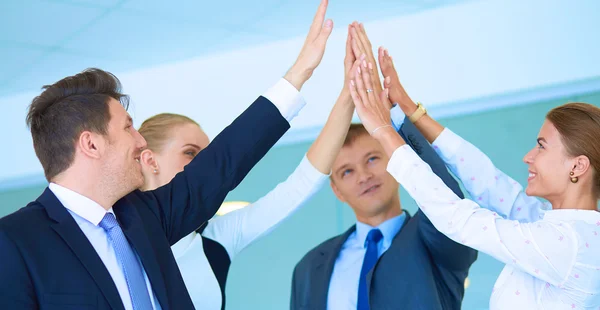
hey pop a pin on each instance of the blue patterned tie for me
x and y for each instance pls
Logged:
(134, 274)
(371, 257)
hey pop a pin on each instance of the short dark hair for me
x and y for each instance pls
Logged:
(65, 109)
(356, 130)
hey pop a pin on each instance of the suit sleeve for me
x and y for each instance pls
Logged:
(437, 243)
(196, 193)
(16, 288)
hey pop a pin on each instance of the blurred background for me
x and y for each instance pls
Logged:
(489, 70)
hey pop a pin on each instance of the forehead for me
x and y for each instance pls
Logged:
(117, 111)
(356, 151)
(189, 134)
(549, 132)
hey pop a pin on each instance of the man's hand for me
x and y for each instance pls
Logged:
(313, 49)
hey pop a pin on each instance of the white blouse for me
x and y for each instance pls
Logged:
(552, 257)
(237, 229)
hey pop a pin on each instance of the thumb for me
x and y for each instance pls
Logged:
(384, 96)
(325, 32)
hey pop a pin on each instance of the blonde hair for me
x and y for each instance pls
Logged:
(157, 129)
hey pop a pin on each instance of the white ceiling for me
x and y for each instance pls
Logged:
(42, 41)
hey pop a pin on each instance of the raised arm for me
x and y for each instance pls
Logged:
(195, 194)
(545, 250)
(239, 228)
(489, 186)
(437, 243)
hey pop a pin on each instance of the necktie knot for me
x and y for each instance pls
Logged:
(108, 221)
(374, 236)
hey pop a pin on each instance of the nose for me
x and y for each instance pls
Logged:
(528, 159)
(364, 175)
(141, 142)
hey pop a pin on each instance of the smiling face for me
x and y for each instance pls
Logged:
(121, 158)
(360, 179)
(549, 165)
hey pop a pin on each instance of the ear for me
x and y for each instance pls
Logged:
(148, 159)
(581, 164)
(336, 191)
(91, 144)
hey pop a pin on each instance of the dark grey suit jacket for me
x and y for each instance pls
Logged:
(422, 269)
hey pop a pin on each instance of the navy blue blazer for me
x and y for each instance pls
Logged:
(422, 269)
(47, 262)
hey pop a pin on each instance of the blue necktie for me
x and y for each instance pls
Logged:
(371, 257)
(134, 274)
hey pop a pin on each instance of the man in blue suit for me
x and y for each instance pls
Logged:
(92, 240)
(389, 259)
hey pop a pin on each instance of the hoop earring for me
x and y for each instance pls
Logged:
(573, 179)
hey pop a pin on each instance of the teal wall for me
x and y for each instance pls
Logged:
(260, 276)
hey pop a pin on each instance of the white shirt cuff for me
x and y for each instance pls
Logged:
(447, 144)
(401, 161)
(286, 98)
(397, 117)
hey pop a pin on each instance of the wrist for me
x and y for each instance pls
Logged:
(389, 139)
(297, 76)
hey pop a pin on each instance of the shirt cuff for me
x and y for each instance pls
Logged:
(397, 117)
(309, 172)
(286, 98)
(447, 144)
(402, 160)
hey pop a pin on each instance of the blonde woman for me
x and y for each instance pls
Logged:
(205, 255)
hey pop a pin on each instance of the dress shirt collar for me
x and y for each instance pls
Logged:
(588, 216)
(389, 229)
(79, 204)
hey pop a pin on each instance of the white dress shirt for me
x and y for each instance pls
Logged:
(88, 215)
(237, 229)
(552, 257)
(343, 286)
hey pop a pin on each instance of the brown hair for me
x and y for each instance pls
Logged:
(355, 131)
(157, 129)
(64, 110)
(579, 126)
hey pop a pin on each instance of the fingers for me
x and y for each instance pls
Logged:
(324, 33)
(386, 63)
(356, 45)
(349, 51)
(317, 24)
(368, 83)
(384, 97)
(359, 80)
(363, 37)
(353, 87)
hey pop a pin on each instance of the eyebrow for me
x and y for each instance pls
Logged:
(539, 140)
(192, 145)
(129, 119)
(343, 167)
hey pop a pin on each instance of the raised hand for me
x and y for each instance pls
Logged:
(397, 94)
(361, 45)
(313, 49)
(372, 107)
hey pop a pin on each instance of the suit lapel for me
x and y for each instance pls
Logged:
(321, 274)
(66, 227)
(133, 228)
(370, 273)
